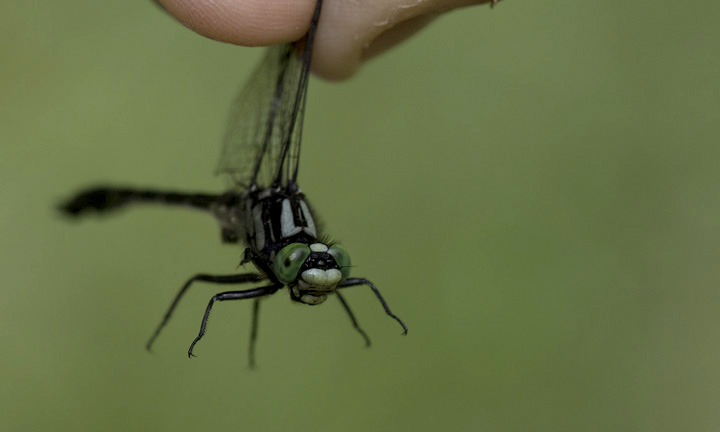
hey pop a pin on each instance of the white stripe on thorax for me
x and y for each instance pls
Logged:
(287, 222)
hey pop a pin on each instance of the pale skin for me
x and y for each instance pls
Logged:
(350, 31)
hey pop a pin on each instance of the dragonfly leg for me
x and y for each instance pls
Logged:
(362, 281)
(352, 319)
(253, 333)
(230, 295)
(224, 279)
(250, 256)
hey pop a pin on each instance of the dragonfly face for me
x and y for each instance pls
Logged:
(313, 271)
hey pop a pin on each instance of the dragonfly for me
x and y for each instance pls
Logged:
(265, 210)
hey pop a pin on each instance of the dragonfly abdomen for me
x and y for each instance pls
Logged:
(103, 199)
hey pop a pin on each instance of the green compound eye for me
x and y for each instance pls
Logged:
(342, 258)
(289, 260)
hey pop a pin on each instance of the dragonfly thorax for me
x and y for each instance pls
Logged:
(276, 216)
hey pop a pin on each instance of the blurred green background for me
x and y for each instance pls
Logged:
(533, 188)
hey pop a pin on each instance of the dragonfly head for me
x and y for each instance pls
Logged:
(312, 271)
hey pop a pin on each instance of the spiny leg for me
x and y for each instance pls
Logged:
(230, 295)
(352, 318)
(361, 281)
(253, 333)
(219, 279)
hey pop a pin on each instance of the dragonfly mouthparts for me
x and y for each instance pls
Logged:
(320, 280)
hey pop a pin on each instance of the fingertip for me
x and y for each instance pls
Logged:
(246, 22)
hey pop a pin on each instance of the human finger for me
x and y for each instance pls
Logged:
(350, 31)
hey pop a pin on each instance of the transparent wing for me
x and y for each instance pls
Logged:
(262, 141)
(260, 119)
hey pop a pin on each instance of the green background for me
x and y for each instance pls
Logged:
(533, 188)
